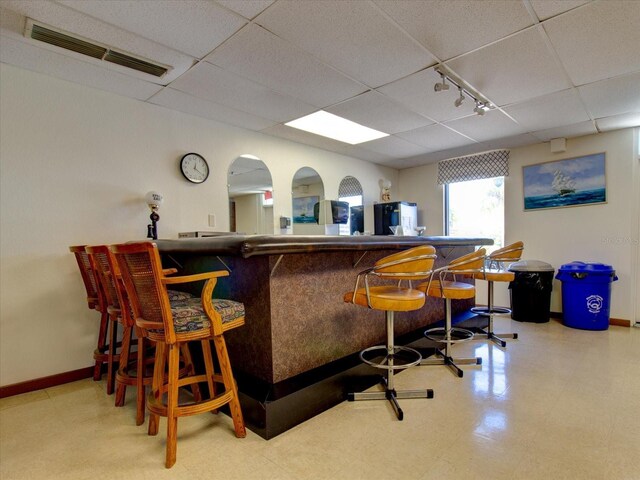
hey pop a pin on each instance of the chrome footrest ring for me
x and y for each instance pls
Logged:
(453, 335)
(411, 357)
(485, 312)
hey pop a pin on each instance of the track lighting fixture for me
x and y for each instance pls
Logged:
(460, 99)
(439, 87)
(482, 105)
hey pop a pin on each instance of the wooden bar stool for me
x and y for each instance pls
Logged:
(96, 301)
(496, 271)
(413, 264)
(172, 326)
(439, 286)
(98, 257)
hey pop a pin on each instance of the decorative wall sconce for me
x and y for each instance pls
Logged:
(385, 194)
(154, 200)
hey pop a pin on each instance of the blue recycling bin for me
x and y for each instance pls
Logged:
(586, 294)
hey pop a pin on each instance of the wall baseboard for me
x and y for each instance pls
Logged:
(45, 382)
(619, 322)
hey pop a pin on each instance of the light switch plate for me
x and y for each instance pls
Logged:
(212, 220)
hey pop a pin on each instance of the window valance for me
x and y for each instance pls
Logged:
(474, 167)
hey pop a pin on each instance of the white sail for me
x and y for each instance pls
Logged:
(563, 184)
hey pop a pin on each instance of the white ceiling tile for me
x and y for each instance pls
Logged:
(226, 88)
(300, 136)
(92, 29)
(196, 30)
(351, 35)
(394, 147)
(511, 142)
(612, 96)
(182, 102)
(449, 29)
(246, 8)
(515, 69)
(27, 56)
(557, 109)
(369, 155)
(550, 8)
(435, 137)
(417, 94)
(627, 120)
(597, 41)
(491, 125)
(568, 131)
(273, 62)
(446, 154)
(374, 110)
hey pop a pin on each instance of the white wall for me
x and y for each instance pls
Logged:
(606, 233)
(75, 164)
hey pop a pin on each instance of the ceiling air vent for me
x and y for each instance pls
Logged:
(68, 42)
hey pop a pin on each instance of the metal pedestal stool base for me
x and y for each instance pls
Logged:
(392, 360)
(489, 311)
(449, 337)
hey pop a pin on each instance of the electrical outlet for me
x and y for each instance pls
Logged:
(212, 220)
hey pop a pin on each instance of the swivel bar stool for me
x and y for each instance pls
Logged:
(439, 286)
(496, 271)
(413, 264)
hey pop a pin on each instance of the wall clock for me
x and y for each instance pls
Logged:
(194, 167)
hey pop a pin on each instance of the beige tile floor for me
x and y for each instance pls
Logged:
(556, 404)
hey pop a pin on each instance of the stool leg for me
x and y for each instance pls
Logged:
(140, 373)
(497, 338)
(113, 326)
(446, 358)
(102, 341)
(390, 392)
(121, 388)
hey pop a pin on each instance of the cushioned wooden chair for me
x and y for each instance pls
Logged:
(96, 301)
(99, 259)
(497, 264)
(443, 283)
(413, 264)
(173, 325)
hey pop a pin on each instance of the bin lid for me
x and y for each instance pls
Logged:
(592, 268)
(531, 266)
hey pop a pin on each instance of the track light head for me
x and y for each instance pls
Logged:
(439, 87)
(481, 108)
(460, 99)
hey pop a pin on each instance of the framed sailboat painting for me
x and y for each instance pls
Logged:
(565, 183)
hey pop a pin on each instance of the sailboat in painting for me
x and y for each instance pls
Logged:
(563, 184)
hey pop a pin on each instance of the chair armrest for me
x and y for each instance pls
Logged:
(169, 271)
(196, 277)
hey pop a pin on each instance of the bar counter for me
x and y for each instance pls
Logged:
(297, 353)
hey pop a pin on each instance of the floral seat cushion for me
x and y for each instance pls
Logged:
(178, 296)
(189, 314)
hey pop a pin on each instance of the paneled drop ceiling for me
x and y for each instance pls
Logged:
(550, 68)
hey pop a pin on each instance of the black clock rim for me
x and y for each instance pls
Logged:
(185, 175)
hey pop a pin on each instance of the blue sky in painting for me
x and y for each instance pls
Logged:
(587, 173)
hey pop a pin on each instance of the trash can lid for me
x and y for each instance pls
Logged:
(593, 268)
(531, 266)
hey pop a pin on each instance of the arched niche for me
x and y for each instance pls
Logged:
(307, 188)
(350, 191)
(250, 196)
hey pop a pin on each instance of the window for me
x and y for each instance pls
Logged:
(350, 191)
(475, 208)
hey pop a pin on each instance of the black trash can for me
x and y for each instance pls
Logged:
(530, 291)
(586, 294)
